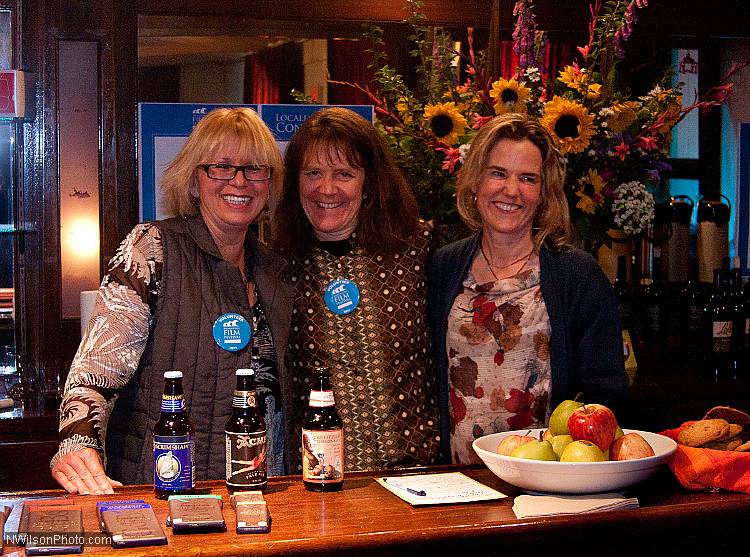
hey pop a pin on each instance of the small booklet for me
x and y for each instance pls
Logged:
(130, 523)
(438, 489)
(54, 529)
(252, 512)
(195, 513)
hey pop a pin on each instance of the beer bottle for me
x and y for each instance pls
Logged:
(246, 436)
(174, 445)
(322, 438)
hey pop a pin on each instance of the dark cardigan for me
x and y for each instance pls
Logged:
(586, 353)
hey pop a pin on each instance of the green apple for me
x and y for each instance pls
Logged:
(582, 451)
(558, 420)
(559, 442)
(547, 435)
(618, 432)
(535, 450)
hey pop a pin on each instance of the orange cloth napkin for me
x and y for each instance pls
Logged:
(697, 468)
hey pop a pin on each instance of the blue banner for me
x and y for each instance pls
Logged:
(163, 129)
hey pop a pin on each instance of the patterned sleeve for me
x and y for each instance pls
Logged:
(113, 341)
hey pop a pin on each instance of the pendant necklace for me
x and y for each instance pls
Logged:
(489, 264)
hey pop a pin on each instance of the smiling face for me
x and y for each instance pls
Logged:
(510, 190)
(230, 206)
(330, 190)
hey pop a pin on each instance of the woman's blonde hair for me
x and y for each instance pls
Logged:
(241, 127)
(552, 220)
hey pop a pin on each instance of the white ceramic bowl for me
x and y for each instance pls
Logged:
(573, 477)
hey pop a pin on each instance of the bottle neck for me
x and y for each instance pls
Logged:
(244, 396)
(322, 398)
(173, 399)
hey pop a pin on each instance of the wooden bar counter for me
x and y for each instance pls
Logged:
(366, 519)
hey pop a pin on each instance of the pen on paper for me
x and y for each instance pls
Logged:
(420, 492)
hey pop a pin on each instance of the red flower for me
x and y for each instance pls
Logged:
(459, 408)
(521, 403)
(622, 150)
(499, 357)
(483, 311)
(647, 143)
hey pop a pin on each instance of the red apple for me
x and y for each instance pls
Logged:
(630, 446)
(595, 423)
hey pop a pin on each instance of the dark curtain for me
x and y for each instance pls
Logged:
(348, 61)
(557, 55)
(272, 73)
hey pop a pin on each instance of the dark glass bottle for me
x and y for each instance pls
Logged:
(322, 437)
(738, 359)
(174, 445)
(651, 310)
(691, 306)
(624, 293)
(718, 318)
(246, 441)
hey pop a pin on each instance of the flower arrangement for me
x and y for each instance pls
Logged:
(616, 145)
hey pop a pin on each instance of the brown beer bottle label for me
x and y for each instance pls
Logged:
(323, 455)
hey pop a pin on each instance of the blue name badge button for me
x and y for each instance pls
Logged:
(341, 296)
(232, 332)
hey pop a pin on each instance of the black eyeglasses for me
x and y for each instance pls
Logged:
(251, 172)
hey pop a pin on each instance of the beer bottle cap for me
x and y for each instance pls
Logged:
(244, 371)
(172, 374)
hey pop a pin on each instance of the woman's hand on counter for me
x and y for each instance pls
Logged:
(82, 472)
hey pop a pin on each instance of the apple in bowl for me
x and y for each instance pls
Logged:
(594, 423)
(573, 477)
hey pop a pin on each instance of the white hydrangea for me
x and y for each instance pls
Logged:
(633, 207)
(463, 151)
(533, 74)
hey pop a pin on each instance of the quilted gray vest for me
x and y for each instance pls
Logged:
(197, 286)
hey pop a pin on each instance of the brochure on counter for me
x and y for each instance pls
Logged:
(438, 489)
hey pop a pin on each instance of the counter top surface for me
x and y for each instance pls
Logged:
(366, 519)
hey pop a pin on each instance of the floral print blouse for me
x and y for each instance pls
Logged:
(498, 359)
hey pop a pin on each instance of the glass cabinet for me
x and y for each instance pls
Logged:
(8, 232)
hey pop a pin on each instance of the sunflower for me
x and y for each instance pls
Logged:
(570, 76)
(624, 115)
(590, 193)
(445, 122)
(509, 95)
(569, 123)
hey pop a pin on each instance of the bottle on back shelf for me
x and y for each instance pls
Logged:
(322, 437)
(246, 441)
(739, 357)
(691, 305)
(624, 293)
(719, 315)
(174, 444)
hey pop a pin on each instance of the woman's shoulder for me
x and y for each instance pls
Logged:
(458, 249)
(145, 238)
(574, 263)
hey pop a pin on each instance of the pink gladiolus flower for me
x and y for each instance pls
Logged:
(452, 155)
(480, 121)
